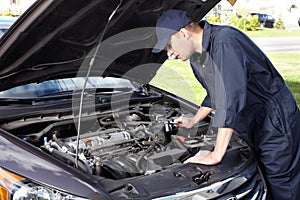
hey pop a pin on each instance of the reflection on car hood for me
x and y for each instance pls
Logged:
(60, 38)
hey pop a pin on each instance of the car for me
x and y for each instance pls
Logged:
(265, 20)
(80, 120)
(5, 23)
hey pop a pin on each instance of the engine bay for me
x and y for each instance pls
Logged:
(139, 140)
(127, 148)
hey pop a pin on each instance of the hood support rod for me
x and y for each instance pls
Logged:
(91, 64)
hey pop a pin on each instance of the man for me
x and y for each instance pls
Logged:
(247, 93)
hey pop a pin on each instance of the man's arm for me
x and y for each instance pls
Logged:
(215, 156)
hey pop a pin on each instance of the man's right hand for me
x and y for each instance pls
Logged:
(184, 122)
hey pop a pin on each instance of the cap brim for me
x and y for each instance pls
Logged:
(160, 45)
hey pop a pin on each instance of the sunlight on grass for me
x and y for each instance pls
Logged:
(177, 77)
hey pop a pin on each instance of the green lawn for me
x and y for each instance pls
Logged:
(176, 77)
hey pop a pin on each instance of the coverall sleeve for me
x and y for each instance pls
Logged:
(206, 102)
(230, 84)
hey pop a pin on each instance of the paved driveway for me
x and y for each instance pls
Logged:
(278, 44)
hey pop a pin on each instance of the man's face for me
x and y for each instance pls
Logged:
(180, 46)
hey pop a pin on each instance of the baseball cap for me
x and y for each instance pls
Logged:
(169, 23)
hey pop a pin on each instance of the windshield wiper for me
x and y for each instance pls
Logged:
(32, 99)
(15, 101)
(61, 95)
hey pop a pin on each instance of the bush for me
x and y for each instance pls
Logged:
(214, 19)
(233, 20)
(253, 23)
(7, 13)
(279, 24)
(242, 23)
(249, 23)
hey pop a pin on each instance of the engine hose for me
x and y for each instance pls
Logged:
(138, 161)
(174, 113)
(46, 130)
(55, 145)
(102, 120)
(139, 113)
(71, 160)
(54, 137)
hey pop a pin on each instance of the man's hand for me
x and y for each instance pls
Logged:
(205, 158)
(184, 122)
(215, 156)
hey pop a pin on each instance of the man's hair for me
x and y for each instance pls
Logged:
(192, 26)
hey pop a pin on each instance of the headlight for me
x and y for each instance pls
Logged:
(14, 187)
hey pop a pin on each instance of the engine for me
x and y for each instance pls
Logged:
(125, 143)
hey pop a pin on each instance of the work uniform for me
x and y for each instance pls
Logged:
(250, 96)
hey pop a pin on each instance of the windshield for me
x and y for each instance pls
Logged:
(64, 85)
(5, 23)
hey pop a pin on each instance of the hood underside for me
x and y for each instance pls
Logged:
(64, 38)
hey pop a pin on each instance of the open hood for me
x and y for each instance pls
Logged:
(66, 38)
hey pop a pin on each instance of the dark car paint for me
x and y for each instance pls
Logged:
(58, 33)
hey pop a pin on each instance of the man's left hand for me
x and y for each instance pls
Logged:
(204, 157)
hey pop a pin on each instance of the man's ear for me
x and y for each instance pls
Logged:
(185, 32)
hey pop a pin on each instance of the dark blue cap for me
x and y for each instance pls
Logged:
(169, 23)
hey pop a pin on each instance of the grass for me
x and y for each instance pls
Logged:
(177, 77)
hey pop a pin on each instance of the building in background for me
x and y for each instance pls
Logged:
(14, 7)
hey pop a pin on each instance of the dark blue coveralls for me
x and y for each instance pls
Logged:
(250, 96)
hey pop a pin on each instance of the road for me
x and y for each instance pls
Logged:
(278, 44)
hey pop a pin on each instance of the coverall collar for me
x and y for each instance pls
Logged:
(206, 34)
